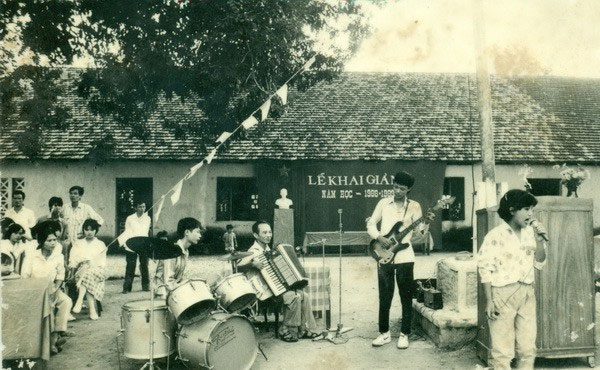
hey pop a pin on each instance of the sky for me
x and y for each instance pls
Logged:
(521, 37)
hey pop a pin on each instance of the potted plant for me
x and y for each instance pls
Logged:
(572, 178)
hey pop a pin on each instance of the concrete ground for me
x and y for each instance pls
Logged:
(95, 345)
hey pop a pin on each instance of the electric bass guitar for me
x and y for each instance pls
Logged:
(383, 254)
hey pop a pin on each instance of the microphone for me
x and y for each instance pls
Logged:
(535, 224)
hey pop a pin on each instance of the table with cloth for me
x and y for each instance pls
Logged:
(26, 319)
(319, 291)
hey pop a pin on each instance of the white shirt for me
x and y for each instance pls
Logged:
(74, 218)
(505, 258)
(36, 265)
(15, 251)
(135, 226)
(256, 249)
(25, 217)
(171, 271)
(388, 212)
(93, 251)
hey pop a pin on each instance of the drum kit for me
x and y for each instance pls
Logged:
(200, 322)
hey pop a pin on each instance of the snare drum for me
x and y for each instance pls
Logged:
(222, 341)
(235, 292)
(191, 301)
(135, 324)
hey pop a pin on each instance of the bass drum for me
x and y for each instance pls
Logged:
(221, 341)
(135, 324)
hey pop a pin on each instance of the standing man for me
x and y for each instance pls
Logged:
(137, 224)
(389, 211)
(298, 319)
(76, 212)
(21, 214)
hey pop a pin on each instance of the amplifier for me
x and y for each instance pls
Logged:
(433, 299)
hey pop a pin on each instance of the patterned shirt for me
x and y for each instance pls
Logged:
(74, 218)
(504, 258)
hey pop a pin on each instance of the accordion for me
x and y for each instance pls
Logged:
(282, 270)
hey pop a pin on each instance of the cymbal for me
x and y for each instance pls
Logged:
(154, 248)
(235, 256)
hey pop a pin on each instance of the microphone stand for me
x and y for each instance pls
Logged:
(339, 337)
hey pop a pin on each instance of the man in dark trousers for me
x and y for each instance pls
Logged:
(137, 224)
(388, 212)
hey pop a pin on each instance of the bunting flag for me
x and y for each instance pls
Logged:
(193, 170)
(249, 123)
(224, 136)
(264, 110)
(211, 156)
(282, 92)
(159, 209)
(177, 193)
(310, 62)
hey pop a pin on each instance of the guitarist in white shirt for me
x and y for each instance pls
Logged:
(389, 211)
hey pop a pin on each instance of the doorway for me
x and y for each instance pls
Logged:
(129, 191)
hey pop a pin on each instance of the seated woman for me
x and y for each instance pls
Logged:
(43, 263)
(88, 259)
(12, 244)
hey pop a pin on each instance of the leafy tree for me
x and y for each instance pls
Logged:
(226, 55)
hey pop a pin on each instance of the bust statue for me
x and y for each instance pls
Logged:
(284, 202)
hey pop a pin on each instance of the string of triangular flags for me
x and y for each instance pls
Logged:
(248, 123)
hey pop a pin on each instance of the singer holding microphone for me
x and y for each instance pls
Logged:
(506, 261)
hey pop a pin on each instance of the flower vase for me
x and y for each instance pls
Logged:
(572, 192)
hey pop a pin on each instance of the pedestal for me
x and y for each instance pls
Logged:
(283, 227)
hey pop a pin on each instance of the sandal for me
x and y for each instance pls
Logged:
(309, 335)
(288, 337)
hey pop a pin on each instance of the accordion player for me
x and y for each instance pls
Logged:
(281, 271)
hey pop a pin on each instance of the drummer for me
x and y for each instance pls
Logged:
(298, 319)
(170, 272)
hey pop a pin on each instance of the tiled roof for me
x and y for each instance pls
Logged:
(375, 116)
(369, 116)
(85, 130)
